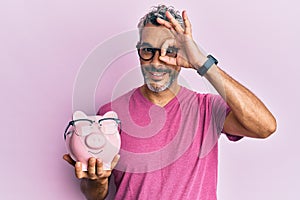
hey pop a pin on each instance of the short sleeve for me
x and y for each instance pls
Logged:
(220, 110)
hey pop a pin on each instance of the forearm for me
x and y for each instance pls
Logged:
(94, 189)
(249, 116)
(247, 109)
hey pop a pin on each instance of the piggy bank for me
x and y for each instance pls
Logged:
(93, 136)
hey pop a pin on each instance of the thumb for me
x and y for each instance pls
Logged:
(68, 158)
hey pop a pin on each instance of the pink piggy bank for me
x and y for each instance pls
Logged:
(93, 136)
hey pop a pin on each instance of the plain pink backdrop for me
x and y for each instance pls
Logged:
(43, 44)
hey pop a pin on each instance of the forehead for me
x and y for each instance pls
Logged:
(155, 35)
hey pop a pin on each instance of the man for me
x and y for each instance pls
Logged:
(169, 137)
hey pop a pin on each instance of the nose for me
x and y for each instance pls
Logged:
(95, 141)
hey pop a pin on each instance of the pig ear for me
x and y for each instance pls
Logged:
(111, 114)
(79, 115)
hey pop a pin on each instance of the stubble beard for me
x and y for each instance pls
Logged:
(155, 86)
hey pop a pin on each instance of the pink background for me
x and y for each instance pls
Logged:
(43, 44)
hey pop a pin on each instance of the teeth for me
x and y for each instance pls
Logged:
(157, 74)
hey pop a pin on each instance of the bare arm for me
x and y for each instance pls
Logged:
(248, 116)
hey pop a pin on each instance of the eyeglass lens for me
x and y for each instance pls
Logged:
(107, 126)
(147, 53)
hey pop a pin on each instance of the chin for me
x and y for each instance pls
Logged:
(157, 88)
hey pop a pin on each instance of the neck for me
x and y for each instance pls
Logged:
(160, 98)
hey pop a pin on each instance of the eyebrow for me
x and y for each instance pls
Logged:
(146, 44)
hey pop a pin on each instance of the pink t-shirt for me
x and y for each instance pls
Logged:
(168, 152)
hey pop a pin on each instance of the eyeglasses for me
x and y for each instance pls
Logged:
(147, 53)
(107, 126)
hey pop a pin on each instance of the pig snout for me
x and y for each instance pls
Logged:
(95, 141)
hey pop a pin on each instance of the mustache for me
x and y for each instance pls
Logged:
(151, 68)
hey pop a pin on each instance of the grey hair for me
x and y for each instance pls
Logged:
(159, 11)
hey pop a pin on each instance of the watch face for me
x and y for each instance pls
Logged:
(213, 58)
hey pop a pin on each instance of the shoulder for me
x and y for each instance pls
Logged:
(207, 102)
(202, 98)
(118, 103)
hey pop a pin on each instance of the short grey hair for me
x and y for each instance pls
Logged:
(159, 11)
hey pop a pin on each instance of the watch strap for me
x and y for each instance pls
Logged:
(207, 65)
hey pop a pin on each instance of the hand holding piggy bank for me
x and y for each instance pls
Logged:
(93, 136)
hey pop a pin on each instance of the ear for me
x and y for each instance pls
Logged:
(79, 115)
(111, 114)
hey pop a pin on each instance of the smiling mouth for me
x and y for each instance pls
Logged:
(157, 76)
(98, 152)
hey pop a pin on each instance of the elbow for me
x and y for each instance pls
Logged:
(268, 129)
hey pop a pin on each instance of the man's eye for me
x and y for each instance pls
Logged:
(147, 50)
(172, 51)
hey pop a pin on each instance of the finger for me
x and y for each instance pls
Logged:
(187, 23)
(167, 25)
(78, 171)
(92, 168)
(99, 167)
(168, 60)
(164, 23)
(107, 173)
(174, 22)
(166, 45)
(115, 161)
(68, 158)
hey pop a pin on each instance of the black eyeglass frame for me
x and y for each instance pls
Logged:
(153, 51)
(72, 123)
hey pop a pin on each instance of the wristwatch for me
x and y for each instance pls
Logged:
(205, 67)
